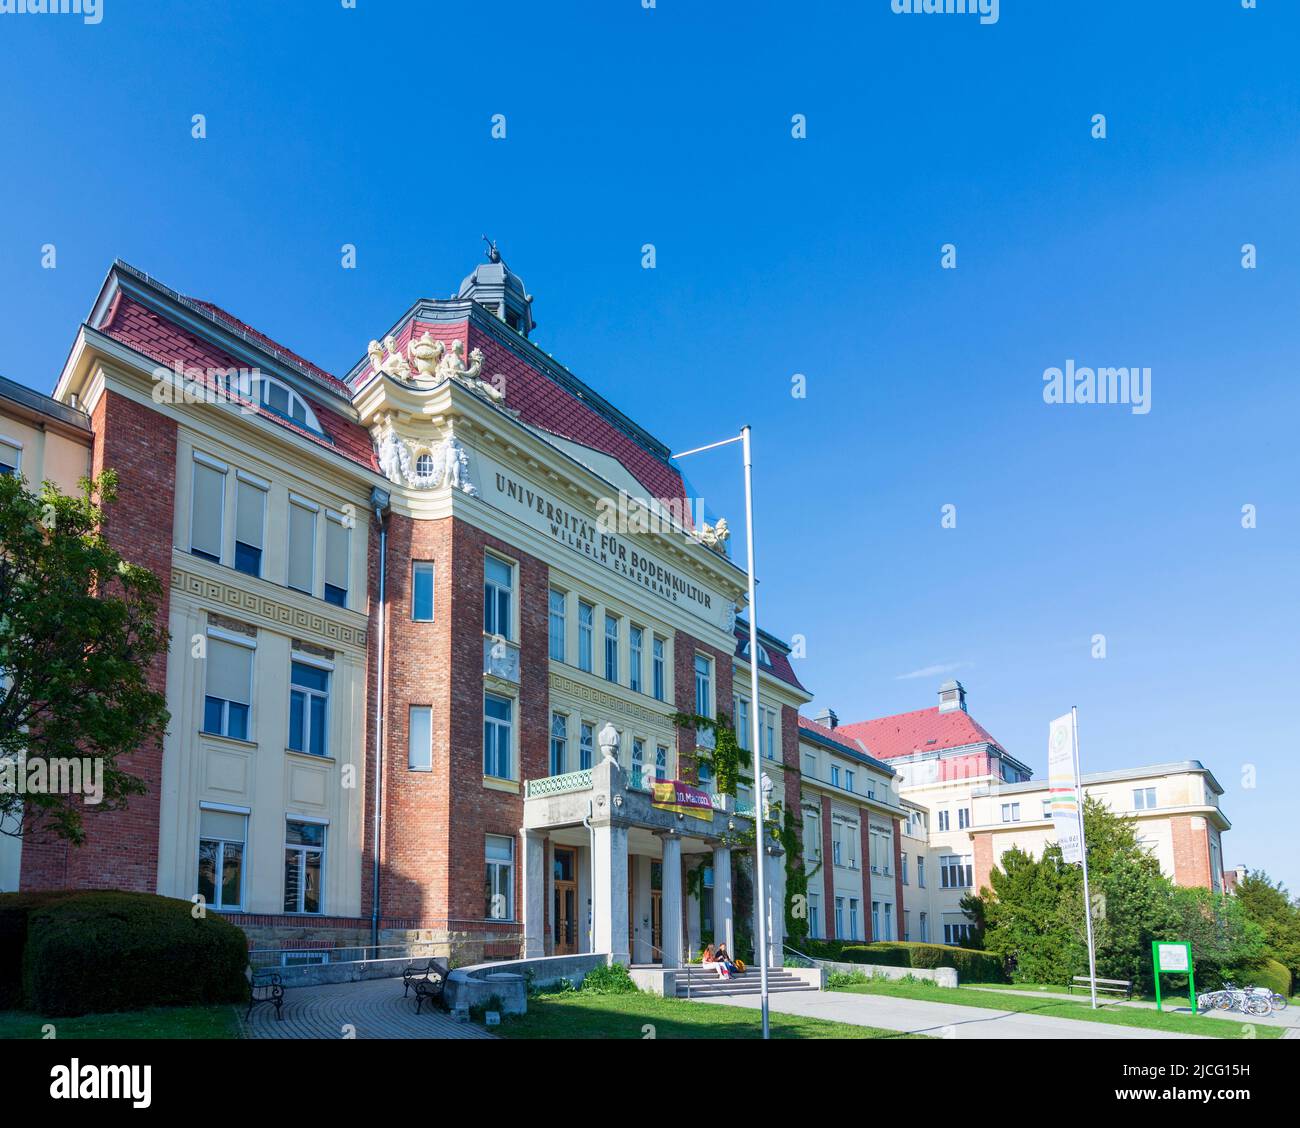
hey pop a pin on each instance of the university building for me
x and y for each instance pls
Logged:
(421, 681)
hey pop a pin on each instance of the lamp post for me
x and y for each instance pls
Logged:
(760, 842)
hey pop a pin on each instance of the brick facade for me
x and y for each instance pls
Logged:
(828, 868)
(121, 847)
(684, 650)
(865, 831)
(1191, 839)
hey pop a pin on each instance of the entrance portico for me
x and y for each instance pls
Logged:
(634, 856)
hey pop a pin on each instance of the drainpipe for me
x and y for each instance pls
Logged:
(379, 503)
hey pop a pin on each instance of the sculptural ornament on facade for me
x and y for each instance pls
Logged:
(427, 355)
(715, 536)
(451, 467)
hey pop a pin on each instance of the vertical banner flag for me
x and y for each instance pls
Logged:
(1062, 788)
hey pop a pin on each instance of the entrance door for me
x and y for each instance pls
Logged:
(564, 921)
(657, 924)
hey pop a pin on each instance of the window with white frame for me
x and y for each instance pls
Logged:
(853, 919)
(250, 524)
(304, 866)
(943, 820)
(875, 920)
(902, 868)
(499, 881)
(222, 836)
(11, 456)
(703, 685)
(207, 507)
(812, 839)
(1144, 798)
(338, 547)
(852, 833)
(228, 686)
(924, 922)
(810, 765)
(1010, 812)
(636, 656)
(309, 696)
(835, 775)
(498, 586)
(839, 917)
(419, 752)
(920, 872)
(422, 582)
(559, 744)
(497, 743)
(661, 762)
(837, 842)
(963, 818)
(848, 779)
(889, 921)
(302, 544)
(278, 397)
(638, 762)
(741, 717)
(586, 745)
(955, 871)
(769, 733)
(659, 667)
(814, 915)
(586, 628)
(556, 623)
(611, 647)
(957, 934)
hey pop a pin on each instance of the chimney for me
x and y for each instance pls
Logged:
(952, 695)
(828, 718)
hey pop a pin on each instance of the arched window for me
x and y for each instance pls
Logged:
(277, 396)
(424, 466)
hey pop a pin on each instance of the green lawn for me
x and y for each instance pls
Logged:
(219, 1021)
(582, 1015)
(1078, 1008)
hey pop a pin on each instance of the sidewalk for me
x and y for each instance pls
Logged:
(1289, 1017)
(939, 1020)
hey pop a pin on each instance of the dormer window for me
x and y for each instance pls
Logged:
(764, 658)
(276, 396)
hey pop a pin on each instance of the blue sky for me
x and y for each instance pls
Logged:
(778, 256)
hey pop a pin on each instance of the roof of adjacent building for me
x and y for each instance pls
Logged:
(1120, 775)
(832, 739)
(923, 730)
(778, 651)
(42, 404)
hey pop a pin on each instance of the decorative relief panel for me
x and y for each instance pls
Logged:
(292, 619)
(607, 702)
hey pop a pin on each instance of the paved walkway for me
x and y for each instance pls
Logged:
(939, 1020)
(371, 1009)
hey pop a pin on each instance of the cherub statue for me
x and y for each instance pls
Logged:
(715, 536)
(452, 467)
(394, 363)
(427, 354)
(452, 366)
(376, 351)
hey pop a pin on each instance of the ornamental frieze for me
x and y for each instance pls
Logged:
(602, 702)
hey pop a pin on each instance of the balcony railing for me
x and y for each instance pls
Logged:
(558, 784)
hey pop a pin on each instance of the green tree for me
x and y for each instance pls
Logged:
(1270, 906)
(1225, 941)
(79, 631)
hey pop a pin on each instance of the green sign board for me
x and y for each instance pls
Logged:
(1173, 957)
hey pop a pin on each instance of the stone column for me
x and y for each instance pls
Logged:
(638, 874)
(609, 892)
(534, 894)
(671, 900)
(774, 889)
(722, 926)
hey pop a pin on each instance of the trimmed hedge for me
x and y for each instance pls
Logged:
(111, 951)
(15, 909)
(973, 965)
(1271, 974)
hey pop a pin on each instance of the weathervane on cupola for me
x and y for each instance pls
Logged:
(500, 291)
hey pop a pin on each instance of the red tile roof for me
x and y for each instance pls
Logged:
(781, 666)
(924, 730)
(835, 735)
(166, 343)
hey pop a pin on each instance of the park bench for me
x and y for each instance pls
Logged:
(265, 987)
(428, 982)
(1108, 986)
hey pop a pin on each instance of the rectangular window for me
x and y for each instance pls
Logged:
(810, 765)
(963, 818)
(559, 744)
(636, 644)
(611, 648)
(556, 621)
(222, 835)
(422, 574)
(839, 917)
(955, 871)
(835, 775)
(837, 842)
(742, 721)
(11, 456)
(302, 547)
(703, 686)
(925, 928)
(875, 920)
(769, 733)
(304, 863)
(499, 882)
(586, 626)
(903, 868)
(498, 583)
(851, 837)
(661, 762)
(920, 877)
(338, 541)
(889, 921)
(812, 839)
(638, 762)
(496, 736)
(658, 675)
(943, 820)
(848, 779)
(1010, 812)
(207, 510)
(419, 754)
(814, 915)
(308, 709)
(228, 688)
(853, 919)
(1144, 799)
(250, 526)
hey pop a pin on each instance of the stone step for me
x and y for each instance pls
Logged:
(736, 988)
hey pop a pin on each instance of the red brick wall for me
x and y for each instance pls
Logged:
(790, 760)
(1191, 852)
(983, 860)
(828, 868)
(685, 648)
(121, 847)
(898, 879)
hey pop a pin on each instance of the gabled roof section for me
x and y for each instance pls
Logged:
(777, 651)
(837, 742)
(924, 730)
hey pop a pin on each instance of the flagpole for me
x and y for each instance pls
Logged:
(1083, 846)
(760, 825)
